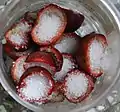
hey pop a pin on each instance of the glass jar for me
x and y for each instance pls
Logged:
(101, 16)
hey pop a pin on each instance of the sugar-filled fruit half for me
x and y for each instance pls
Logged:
(92, 50)
(51, 23)
(77, 86)
(74, 18)
(18, 36)
(35, 85)
(39, 59)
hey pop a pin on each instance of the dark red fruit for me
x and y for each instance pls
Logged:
(50, 25)
(35, 85)
(57, 56)
(68, 64)
(68, 43)
(77, 86)
(74, 20)
(57, 95)
(41, 59)
(31, 16)
(18, 35)
(11, 52)
(17, 69)
(91, 52)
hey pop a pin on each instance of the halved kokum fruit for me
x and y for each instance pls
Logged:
(17, 69)
(50, 25)
(35, 85)
(57, 95)
(74, 20)
(68, 64)
(77, 86)
(57, 56)
(41, 59)
(68, 43)
(91, 52)
(18, 36)
(12, 53)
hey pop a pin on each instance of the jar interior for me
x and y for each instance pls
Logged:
(97, 19)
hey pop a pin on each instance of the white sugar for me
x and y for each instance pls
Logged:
(17, 34)
(85, 29)
(17, 39)
(77, 85)
(24, 27)
(37, 87)
(48, 26)
(19, 67)
(66, 45)
(68, 65)
(96, 52)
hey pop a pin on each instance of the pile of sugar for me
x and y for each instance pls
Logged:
(96, 53)
(76, 85)
(37, 87)
(48, 26)
(17, 39)
(67, 45)
(24, 27)
(17, 34)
